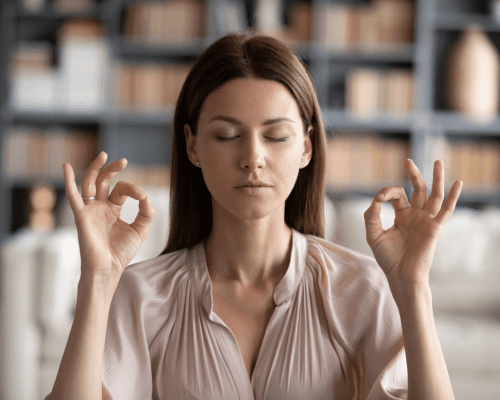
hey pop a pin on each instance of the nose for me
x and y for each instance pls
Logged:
(252, 153)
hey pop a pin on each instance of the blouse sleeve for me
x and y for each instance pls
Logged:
(126, 372)
(381, 355)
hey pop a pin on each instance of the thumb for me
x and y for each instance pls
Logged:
(373, 223)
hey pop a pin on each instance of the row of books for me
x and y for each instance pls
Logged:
(380, 25)
(151, 175)
(353, 158)
(29, 152)
(475, 163)
(148, 86)
(364, 158)
(158, 23)
(370, 92)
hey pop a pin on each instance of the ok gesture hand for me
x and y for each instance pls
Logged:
(406, 250)
(107, 243)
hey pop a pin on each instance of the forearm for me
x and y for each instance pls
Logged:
(80, 372)
(427, 373)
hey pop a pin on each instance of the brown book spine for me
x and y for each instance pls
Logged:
(338, 165)
(36, 152)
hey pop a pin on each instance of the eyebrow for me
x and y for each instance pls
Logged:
(236, 122)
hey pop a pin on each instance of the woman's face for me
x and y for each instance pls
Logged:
(250, 130)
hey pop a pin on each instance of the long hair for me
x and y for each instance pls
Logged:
(240, 56)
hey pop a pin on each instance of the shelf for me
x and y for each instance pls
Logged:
(461, 124)
(442, 121)
(453, 21)
(370, 190)
(52, 117)
(130, 47)
(340, 119)
(134, 117)
(50, 14)
(28, 181)
(399, 53)
(489, 195)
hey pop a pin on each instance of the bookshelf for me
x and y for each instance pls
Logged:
(144, 137)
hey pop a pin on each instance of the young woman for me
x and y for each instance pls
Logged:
(248, 301)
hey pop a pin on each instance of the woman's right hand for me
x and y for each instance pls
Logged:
(107, 243)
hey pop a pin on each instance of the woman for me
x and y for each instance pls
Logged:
(248, 300)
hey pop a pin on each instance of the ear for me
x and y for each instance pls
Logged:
(190, 144)
(308, 148)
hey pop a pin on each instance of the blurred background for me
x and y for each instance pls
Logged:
(396, 79)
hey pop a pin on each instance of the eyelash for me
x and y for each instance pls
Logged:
(224, 139)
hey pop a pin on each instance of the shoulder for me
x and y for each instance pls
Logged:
(355, 291)
(150, 278)
(344, 266)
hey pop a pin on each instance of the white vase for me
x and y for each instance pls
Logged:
(473, 76)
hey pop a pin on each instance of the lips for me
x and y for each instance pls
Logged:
(254, 184)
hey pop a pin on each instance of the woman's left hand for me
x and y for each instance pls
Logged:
(405, 251)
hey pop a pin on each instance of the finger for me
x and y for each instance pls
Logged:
(449, 205)
(144, 218)
(74, 198)
(122, 190)
(397, 196)
(419, 195)
(88, 181)
(437, 195)
(373, 223)
(102, 181)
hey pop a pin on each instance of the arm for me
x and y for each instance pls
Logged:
(107, 245)
(80, 372)
(405, 253)
(427, 373)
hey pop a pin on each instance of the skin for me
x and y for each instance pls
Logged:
(248, 250)
(250, 242)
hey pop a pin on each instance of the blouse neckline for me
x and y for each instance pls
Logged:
(196, 263)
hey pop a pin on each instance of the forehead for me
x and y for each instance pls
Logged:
(250, 99)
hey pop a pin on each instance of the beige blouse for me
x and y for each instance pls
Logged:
(335, 332)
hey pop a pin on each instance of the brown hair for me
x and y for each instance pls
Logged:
(240, 56)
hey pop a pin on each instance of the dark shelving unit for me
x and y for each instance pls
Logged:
(121, 133)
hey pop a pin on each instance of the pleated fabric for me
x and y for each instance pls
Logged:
(335, 332)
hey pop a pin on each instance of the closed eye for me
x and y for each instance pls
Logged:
(226, 139)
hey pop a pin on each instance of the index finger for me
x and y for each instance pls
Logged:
(72, 193)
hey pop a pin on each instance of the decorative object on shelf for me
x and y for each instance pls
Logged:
(268, 17)
(33, 5)
(32, 78)
(73, 6)
(494, 8)
(473, 75)
(225, 16)
(84, 65)
(42, 200)
(299, 22)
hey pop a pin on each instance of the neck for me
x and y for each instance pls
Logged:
(248, 252)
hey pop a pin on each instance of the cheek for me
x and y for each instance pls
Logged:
(215, 166)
